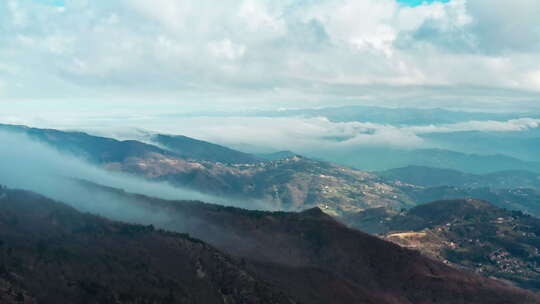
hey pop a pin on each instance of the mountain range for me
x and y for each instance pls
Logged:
(310, 255)
(292, 183)
(51, 252)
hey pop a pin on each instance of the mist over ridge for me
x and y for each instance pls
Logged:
(30, 165)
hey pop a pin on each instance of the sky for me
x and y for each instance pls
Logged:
(87, 58)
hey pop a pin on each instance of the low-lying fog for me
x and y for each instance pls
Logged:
(30, 165)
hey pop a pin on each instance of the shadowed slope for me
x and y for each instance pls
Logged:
(318, 260)
(55, 254)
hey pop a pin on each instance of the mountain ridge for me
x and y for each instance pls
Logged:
(187, 147)
(292, 183)
(58, 254)
(340, 264)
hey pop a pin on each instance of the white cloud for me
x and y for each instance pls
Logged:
(199, 51)
(226, 49)
(258, 18)
(304, 135)
(513, 125)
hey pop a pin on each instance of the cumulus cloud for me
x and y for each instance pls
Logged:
(194, 52)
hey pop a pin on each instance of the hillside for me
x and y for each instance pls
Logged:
(470, 234)
(522, 199)
(190, 148)
(54, 254)
(277, 155)
(95, 149)
(293, 183)
(315, 259)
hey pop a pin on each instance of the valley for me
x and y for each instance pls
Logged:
(469, 234)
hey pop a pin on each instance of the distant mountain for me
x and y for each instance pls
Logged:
(468, 233)
(315, 259)
(436, 177)
(379, 159)
(518, 145)
(514, 190)
(394, 116)
(523, 145)
(51, 253)
(522, 199)
(190, 148)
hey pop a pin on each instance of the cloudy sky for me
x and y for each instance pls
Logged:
(142, 56)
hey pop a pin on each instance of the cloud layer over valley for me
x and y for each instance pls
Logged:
(299, 134)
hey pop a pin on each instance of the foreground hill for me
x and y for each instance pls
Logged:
(315, 259)
(468, 233)
(54, 254)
